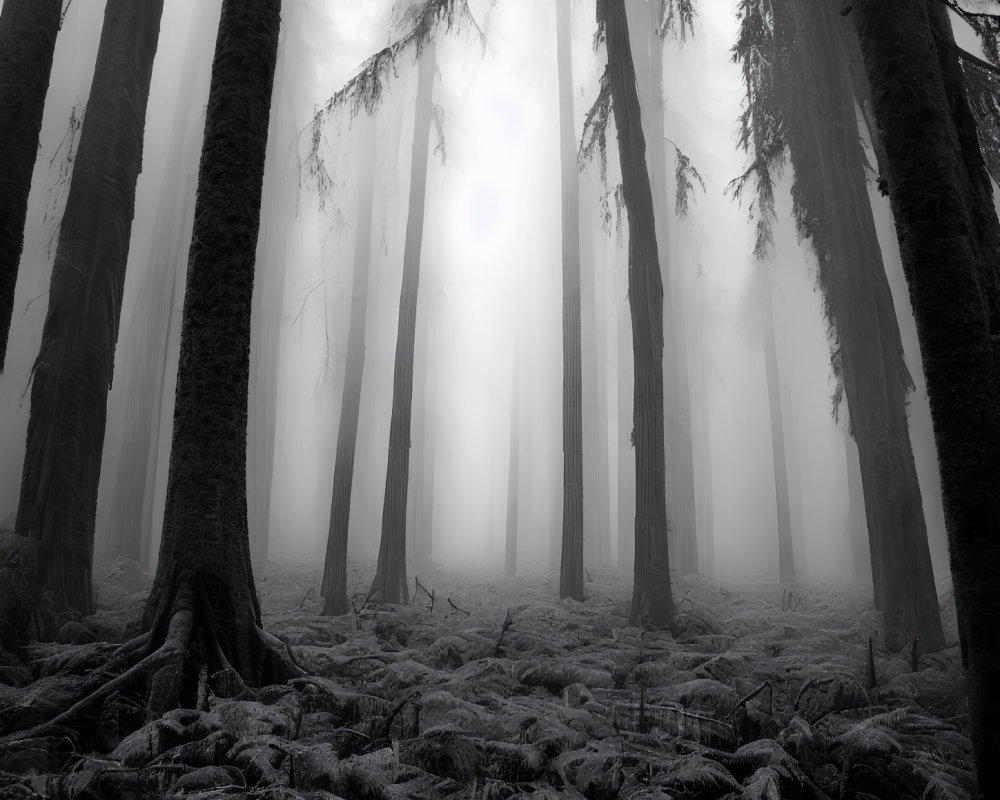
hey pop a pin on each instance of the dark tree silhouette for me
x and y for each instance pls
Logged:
(334, 588)
(651, 589)
(571, 562)
(203, 598)
(949, 240)
(390, 582)
(72, 372)
(28, 30)
(833, 209)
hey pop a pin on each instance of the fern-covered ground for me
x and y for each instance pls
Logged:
(499, 690)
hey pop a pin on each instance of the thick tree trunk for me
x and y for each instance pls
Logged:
(651, 590)
(72, 372)
(571, 563)
(390, 573)
(334, 588)
(204, 573)
(949, 242)
(28, 30)
(833, 207)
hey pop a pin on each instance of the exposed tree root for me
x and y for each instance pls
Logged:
(190, 649)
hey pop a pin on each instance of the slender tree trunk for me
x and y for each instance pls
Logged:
(786, 563)
(204, 572)
(626, 458)
(833, 206)
(72, 372)
(677, 405)
(513, 473)
(390, 573)
(28, 30)
(571, 569)
(651, 590)
(949, 242)
(334, 588)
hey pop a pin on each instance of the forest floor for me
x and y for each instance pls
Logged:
(495, 688)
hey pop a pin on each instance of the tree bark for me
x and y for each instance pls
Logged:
(204, 567)
(334, 588)
(390, 573)
(28, 30)
(949, 242)
(72, 373)
(571, 563)
(651, 589)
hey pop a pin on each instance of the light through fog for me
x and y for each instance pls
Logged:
(490, 290)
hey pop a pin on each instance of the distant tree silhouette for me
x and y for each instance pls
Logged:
(571, 562)
(334, 588)
(390, 582)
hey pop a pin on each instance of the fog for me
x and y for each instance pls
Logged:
(490, 298)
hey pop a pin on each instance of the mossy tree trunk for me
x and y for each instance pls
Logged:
(651, 595)
(334, 588)
(949, 242)
(72, 373)
(28, 30)
(833, 209)
(571, 563)
(389, 582)
(203, 599)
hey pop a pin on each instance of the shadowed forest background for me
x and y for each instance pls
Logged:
(520, 398)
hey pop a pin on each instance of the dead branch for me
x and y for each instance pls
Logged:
(458, 609)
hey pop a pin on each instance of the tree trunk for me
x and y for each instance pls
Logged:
(786, 562)
(677, 403)
(833, 208)
(28, 30)
(513, 474)
(571, 563)
(334, 588)
(949, 242)
(651, 590)
(72, 372)
(204, 573)
(390, 573)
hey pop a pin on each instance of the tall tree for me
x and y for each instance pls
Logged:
(334, 588)
(513, 473)
(203, 598)
(390, 573)
(651, 589)
(801, 93)
(833, 209)
(571, 563)
(779, 462)
(949, 240)
(28, 30)
(72, 372)
(651, 24)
